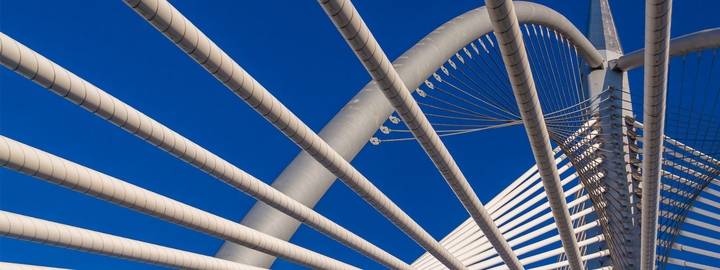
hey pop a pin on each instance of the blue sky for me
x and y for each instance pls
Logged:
(290, 47)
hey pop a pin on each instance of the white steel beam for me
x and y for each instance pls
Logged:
(690, 43)
(588, 257)
(47, 167)
(352, 27)
(170, 22)
(657, 42)
(55, 234)
(695, 250)
(507, 30)
(17, 266)
(44, 72)
(691, 264)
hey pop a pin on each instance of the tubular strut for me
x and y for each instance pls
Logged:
(507, 30)
(347, 20)
(657, 42)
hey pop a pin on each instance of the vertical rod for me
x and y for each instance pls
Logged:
(657, 43)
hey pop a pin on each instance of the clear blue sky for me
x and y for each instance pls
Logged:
(290, 47)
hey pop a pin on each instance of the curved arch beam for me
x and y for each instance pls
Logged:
(305, 180)
(690, 43)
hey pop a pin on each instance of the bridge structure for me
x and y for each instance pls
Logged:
(618, 175)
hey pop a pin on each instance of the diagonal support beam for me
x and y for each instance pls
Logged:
(507, 30)
(60, 235)
(48, 167)
(178, 29)
(352, 27)
(42, 71)
(657, 53)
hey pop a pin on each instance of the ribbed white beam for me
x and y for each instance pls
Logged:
(686, 148)
(478, 239)
(695, 236)
(16, 266)
(691, 264)
(496, 210)
(352, 27)
(192, 41)
(695, 250)
(39, 69)
(705, 213)
(531, 247)
(708, 202)
(554, 252)
(598, 254)
(496, 213)
(476, 242)
(657, 41)
(44, 166)
(479, 248)
(467, 228)
(60, 235)
(702, 224)
(507, 30)
(690, 43)
(487, 252)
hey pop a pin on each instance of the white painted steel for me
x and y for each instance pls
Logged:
(498, 214)
(468, 227)
(507, 31)
(554, 252)
(706, 213)
(598, 254)
(368, 110)
(60, 235)
(17, 266)
(44, 166)
(39, 69)
(691, 264)
(695, 236)
(657, 59)
(690, 43)
(528, 248)
(358, 36)
(696, 250)
(169, 21)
